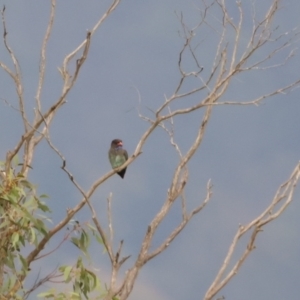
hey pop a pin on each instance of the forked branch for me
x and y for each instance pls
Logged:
(279, 203)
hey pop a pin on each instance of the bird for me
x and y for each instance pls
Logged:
(117, 156)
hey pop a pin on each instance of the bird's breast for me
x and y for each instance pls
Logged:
(120, 159)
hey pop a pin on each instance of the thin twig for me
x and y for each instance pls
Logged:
(17, 76)
(42, 66)
(281, 200)
(109, 216)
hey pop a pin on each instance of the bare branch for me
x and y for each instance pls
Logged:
(281, 200)
(17, 76)
(109, 216)
(106, 243)
(181, 226)
(43, 60)
(83, 44)
(69, 81)
(226, 64)
(65, 238)
(28, 136)
(175, 190)
(42, 281)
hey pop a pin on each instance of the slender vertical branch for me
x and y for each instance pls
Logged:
(16, 76)
(42, 66)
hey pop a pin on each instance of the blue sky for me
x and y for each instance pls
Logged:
(247, 152)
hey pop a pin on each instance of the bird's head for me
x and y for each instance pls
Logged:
(116, 143)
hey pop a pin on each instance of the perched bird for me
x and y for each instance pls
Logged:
(117, 155)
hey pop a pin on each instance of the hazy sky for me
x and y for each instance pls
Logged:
(247, 152)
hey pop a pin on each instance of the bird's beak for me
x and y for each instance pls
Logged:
(120, 144)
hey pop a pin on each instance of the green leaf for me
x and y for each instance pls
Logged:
(67, 271)
(24, 263)
(9, 260)
(62, 268)
(93, 281)
(42, 206)
(33, 239)
(75, 296)
(29, 202)
(15, 238)
(40, 226)
(79, 262)
(22, 240)
(99, 239)
(48, 294)
(44, 196)
(75, 241)
(13, 196)
(15, 160)
(26, 184)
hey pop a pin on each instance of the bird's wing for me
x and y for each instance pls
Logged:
(125, 154)
(111, 157)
